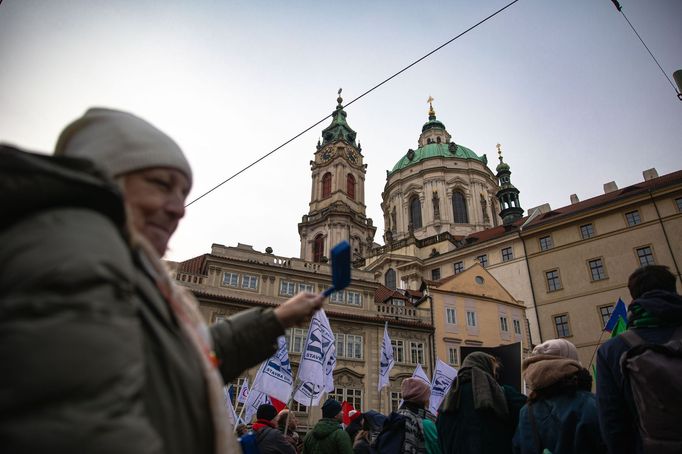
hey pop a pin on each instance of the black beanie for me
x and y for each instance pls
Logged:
(267, 412)
(331, 408)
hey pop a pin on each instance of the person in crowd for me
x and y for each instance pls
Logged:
(420, 425)
(107, 354)
(561, 413)
(241, 429)
(372, 423)
(269, 439)
(478, 415)
(654, 318)
(328, 437)
(290, 434)
(355, 423)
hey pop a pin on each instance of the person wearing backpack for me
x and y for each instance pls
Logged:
(639, 372)
(561, 414)
(269, 439)
(478, 415)
(411, 429)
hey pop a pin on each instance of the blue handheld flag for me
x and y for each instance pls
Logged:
(340, 268)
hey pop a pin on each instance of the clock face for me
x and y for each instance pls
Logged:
(326, 155)
(352, 156)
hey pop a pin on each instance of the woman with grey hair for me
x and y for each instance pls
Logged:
(102, 352)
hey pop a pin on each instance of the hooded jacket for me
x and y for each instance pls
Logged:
(327, 437)
(95, 360)
(617, 413)
(270, 440)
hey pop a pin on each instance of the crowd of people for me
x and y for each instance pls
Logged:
(104, 353)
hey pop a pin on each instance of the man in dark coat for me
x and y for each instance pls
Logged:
(654, 314)
(268, 439)
(328, 437)
(478, 416)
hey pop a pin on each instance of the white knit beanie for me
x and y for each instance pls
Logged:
(120, 143)
(557, 347)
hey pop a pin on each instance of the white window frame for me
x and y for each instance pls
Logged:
(353, 298)
(504, 324)
(290, 289)
(232, 277)
(517, 326)
(453, 356)
(302, 287)
(450, 316)
(294, 335)
(471, 319)
(398, 350)
(337, 297)
(417, 350)
(250, 281)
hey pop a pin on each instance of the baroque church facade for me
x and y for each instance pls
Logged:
(460, 264)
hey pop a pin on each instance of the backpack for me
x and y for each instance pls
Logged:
(392, 436)
(654, 374)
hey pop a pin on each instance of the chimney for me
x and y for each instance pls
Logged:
(544, 208)
(610, 187)
(574, 199)
(650, 174)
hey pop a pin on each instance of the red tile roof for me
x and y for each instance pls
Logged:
(196, 265)
(383, 294)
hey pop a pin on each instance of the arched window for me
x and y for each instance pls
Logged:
(389, 278)
(415, 213)
(350, 184)
(318, 248)
(459, 208)
(326, 185)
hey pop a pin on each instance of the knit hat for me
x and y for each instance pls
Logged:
(331, 408)
(120, 142)
(415, 390)
(557, 347)
(267, 412)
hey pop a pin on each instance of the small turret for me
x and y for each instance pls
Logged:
(508, 195)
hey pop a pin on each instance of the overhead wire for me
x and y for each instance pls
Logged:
(352, 101)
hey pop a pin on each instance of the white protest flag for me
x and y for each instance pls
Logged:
(231, 414)
(315, 373)
(243, 392)
(386, 361)
(420, 374)
(443, 377)
(275, 377)
(255, 400)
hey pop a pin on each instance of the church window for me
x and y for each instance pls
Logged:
(390, 279)
(437, 139)
(416, 213)
(459, 208)
(318, 248)
(326, 185)
(350, 183)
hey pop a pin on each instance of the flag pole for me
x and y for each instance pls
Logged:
(241, 412)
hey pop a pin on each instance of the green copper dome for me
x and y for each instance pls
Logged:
(437, 150)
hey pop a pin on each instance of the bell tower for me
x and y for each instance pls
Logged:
(508, 195)
(337, 199)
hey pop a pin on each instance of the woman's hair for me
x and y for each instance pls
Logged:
(580, 381)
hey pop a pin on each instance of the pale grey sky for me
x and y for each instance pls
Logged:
(564, 86)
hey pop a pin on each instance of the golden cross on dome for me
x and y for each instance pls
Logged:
(499, 149)
(430, 100)
(432, 113)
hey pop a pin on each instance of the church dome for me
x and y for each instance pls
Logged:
(436, 150)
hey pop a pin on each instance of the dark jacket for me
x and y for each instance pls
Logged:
(98, 362)
(327, 437)
(617, 414)
(566, 423)
(471, 431)
(271, 441)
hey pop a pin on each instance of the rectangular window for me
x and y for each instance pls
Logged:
(553, 281)
(435, 274)
(453, 356)
(231, 279)
(340, 345)
(396, 397)
(287, 288)
(605, 312)
(297, 337)
(517, 326)
(398, 350)
(561, 324)
(483, 260)
(586, 231)
(678, 202)
(507, 254)
(645, 256)
(397, 302)
(504, 326)
(450, 315)
(546, 243)
(417, 352)
(337, 297)
(298, 407)
(353, 346)
(597, 270)
(633, 218)
(459, 267)
(250, 281)
(306, 288)
(471, 318)
(354, 298)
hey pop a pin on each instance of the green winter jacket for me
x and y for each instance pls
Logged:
(327, 437)
(92, 358)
